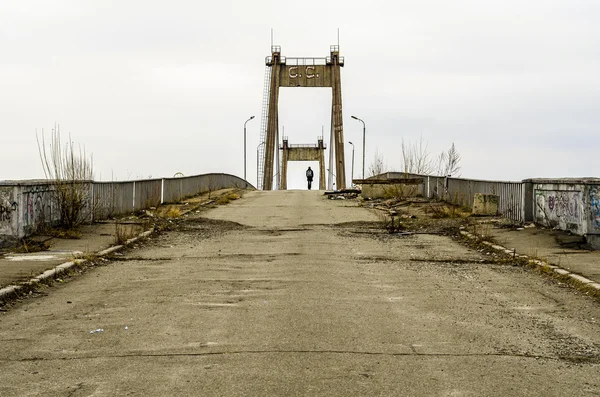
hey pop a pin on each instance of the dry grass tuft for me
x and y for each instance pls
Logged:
(173, 212)
(228, 198)
(446, 211)
(70, 234)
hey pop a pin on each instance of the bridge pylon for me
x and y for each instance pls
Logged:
(302, 72)
(303, 152)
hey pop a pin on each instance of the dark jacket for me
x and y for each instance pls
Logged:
(309, 175)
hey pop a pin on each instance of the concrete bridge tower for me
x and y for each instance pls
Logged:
(301, 72)
(303, 153)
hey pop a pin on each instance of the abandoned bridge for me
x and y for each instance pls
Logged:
(288, 293)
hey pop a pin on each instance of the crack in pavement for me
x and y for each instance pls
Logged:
(414, 353)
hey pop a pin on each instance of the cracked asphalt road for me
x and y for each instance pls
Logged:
(283, 293)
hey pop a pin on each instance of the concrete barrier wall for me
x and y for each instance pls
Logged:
(569, 204)
(10, 202)
(27, 205)
(24, 205)
(37, 206)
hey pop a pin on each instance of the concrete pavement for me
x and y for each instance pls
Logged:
(542, 243)
(18, 267)
(286, 293)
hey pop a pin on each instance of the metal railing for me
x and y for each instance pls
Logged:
(33, 204)
(304, 61)
(461, 191)
(305, 145)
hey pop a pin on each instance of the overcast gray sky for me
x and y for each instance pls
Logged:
(154, 88)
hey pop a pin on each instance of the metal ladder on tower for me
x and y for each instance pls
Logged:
(263, 127)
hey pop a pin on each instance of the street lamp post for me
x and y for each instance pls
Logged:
(352, 177)
(245, 146)
(364, 129)
(257, 155)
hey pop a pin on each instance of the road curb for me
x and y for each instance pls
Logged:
(575, 278)
(14, 290)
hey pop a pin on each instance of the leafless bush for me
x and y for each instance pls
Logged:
(390, 221)
(449, 162)
(378, 165)
(416, 158)
(212, 185)
(70, 171)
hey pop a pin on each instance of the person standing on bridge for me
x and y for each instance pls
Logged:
(309, 177)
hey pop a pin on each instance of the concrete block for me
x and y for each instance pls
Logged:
(593, 241)
(562, 272)
(65, 265)
(595, 286)
(7, 291)
(109, 250)
(485, 204)
(581, 279)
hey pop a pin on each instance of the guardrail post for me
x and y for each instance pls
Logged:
(527, 202)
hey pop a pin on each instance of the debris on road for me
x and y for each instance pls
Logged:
(342, 194)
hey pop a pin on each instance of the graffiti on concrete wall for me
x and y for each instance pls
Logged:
(8, 206)
(7, 210)
(38, 205)
(567, 206)
(559, 207)
(595, 206)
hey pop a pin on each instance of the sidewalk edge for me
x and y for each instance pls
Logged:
(574, 278)
(12, 291)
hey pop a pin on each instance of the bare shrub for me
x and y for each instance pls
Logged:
(70, 171)
(449, 162)
(378, 165)
(416, 158)
(484, 232)
(212, 185)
